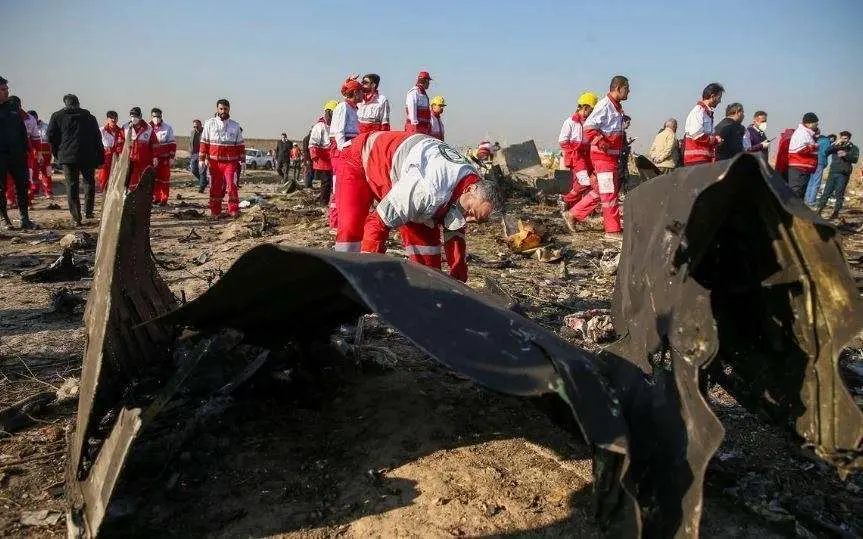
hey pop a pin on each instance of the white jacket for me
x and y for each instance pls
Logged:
(345, 125)
(320, 137)
(698, 123)
(376, 111)
(423, 182)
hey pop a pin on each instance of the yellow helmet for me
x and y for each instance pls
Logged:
(587, 98)
(331, 105)
(438, 100)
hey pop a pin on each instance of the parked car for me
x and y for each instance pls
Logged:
(258, 159)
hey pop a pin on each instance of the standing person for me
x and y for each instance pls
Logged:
(576, 150)
(373, 111)
(421, 184)
(437, 105)
(222, 150)
(319, 152)
(308, 172)
(143, 144)
(76, 143)
(164, 150)
(802, 155)
(756, 135)
(33, 140)
(731, 131)
(417, 106)
(343, 128)
(845, 155)
(199, 173)
(604, 130)
(296, 157)
(283, 157)
(699, 140)
(662, 151)
(40, 171)
(824, 146)
(112, 145)
(13, 157)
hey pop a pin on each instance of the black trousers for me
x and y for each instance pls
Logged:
(798, 181)
(326, 179)
(284, 168)
(17, 168)
(72, 173)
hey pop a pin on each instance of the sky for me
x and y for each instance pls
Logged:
(510, 71)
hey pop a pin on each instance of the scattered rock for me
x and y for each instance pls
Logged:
(53, 206)
(593, 325)
(609, 261)
(42, 517)
(63, 269)
(203, 258)
(187, 214)
(77, 240)
(68, 302)
(191, 236)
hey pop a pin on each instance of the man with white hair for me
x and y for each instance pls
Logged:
(663, 151)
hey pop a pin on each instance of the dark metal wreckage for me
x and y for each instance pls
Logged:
(723, 275)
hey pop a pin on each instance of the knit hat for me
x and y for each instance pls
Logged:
(810, 118)
(135, 111)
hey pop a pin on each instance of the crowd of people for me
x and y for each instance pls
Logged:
(374, 179)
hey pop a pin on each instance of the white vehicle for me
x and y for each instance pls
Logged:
(258, 159)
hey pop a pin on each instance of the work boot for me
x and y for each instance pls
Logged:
(27, 224)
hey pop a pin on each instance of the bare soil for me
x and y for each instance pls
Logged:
(413, 450)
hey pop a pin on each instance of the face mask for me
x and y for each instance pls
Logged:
(762, 127)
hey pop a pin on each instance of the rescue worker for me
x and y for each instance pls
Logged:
(13, 157)
(319, 152)
(40, 171)
(222, 150)
(699, 141)
(417, 106)
(604, 130)
(420, 184)
(33, 139)
(112, 142)
(437, 105)
(576, 150)
(143, 142)
(164, 150)
(373, 111)
(343, 128)
(802, 154)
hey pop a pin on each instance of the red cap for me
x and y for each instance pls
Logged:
(424, 75)
(350, 86)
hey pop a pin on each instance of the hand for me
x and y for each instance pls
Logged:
(841, 153)
(352, 76)
(765, 144)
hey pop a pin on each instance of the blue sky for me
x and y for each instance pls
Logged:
(509, 70)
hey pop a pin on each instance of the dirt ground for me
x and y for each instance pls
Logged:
(410, 451)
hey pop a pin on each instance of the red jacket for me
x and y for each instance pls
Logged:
(143, 142)
(573, 142)
(782, 151)
(604, 130)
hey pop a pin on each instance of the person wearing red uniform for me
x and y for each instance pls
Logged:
(576, 151)
(604, 130)
(438, 103)
(222, 149)
(373, 111)
(112, 142)
(421, 184)
(319, 153)
(802, 154)
(40, 167)
(343, 128)
(143, 142)
(164, 150)
(417, 106)
(699, 140)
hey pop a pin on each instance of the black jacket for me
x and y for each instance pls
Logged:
(732, 134)
(283, 150)
(843, 165)
(13, 134)
(194, 142)
(75, 138)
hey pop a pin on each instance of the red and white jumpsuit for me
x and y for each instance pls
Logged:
(164, 150)
(603, 129)
(41, 168)
(417, 181)
(223, 148)
(141, 152)
(699, 142)
(112, 144)
(373, 113)
(33, 141)
(344, 127)
(436, 128)
(417, 111)
(576, 157)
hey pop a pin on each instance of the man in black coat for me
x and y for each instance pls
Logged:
(732, 132)
(13, 157)
(283, 156)
(76, 143)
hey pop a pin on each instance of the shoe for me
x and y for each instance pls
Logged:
(569, 220)
(6, 224)
(613, 236)
(88, 216)
(27, 224)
